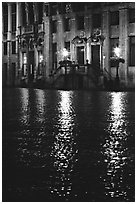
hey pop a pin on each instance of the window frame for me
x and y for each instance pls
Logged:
(114, 18)
(80, 26)
(14, 47)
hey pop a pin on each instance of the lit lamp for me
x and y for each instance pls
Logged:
(65, 53)
(116, 60)
(117, 51)
(40, 58)
(25, 60)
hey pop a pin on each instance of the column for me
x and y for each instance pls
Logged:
(124, 44)
(47, 54)
(27, 12)
(60, 38)
(9, 45)
(35, 11)
(106, 43)
(73, 35)
(18, 32)
(88, 25)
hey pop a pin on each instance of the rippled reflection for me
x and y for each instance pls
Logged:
(32, 120)
(24, 100)
(115, 150)
(64, 150)
(40, 105)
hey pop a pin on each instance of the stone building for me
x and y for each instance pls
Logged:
(38, 36)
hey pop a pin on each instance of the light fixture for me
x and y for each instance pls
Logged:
(117, 51)
(65, 53)
(40, 58)
(25, 58)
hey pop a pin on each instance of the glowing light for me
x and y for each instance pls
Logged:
(117, 51)
(40, 99)
(65, 52)
(40, 58)
(114, 147)
(25, 59)
(63, 151)
(24, 106)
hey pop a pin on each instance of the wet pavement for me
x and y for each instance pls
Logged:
(68, 146)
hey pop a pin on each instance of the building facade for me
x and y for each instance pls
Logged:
(35, 36)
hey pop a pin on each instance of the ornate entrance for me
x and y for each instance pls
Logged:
(95, 55)
(31, 66)
(80, 54)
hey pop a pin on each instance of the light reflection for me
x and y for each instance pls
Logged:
(24, 100)
(64, 150)
(114, 148)
(40, 105)
(31, 118)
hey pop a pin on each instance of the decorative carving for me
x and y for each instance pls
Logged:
(79, 40)
(29, 40)
(96, 37)
(68, 8)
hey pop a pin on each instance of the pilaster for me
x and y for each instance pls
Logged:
(124, 44)
(18, 27)
(73, 35)
(60, 38)
(106, 43)
(9, 45)
(47, 47)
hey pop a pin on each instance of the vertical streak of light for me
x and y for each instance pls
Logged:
(63, 150)
(114, 149)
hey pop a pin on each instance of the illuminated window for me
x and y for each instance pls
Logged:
(132, 51)
(114, 18)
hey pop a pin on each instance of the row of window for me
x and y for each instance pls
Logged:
(13, 47)
(5, 17)
(96, 21)
(80, 23)
(114, 42)
(29, 7)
